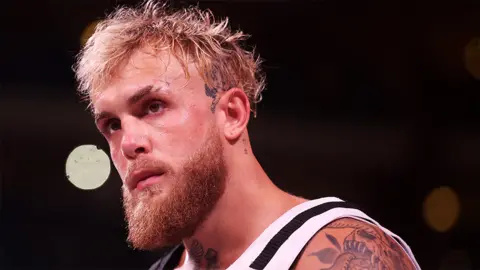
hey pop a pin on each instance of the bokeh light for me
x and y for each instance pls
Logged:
(88, 32)
(441, 209)
(87, 167)
(472, 57)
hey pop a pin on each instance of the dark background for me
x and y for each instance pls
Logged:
(369, 101)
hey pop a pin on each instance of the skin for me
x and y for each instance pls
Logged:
(351, 244)
(173, 121)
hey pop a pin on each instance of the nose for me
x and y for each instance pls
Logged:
(134, 141)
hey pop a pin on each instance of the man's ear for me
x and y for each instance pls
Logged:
(236, 107)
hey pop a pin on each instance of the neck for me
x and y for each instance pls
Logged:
(250, 203)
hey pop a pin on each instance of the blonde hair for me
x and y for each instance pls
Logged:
(189, 34)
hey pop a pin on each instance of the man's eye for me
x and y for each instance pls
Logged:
(113, 125)
(154, 107)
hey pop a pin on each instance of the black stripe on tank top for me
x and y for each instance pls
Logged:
(277, 241)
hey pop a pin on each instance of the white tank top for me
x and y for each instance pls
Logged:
(281, 243)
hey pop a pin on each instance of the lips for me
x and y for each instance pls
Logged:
(142, 179)
(148, 181)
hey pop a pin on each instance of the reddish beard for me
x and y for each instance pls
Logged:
(157, 220)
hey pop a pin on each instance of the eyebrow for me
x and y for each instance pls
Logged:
(135, 98)
(140, 94)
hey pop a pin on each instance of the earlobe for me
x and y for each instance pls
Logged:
(237, 111)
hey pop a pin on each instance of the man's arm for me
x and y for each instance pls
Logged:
(353, 244)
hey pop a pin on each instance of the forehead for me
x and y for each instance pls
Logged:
(146, 68)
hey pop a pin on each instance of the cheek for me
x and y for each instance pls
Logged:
(119, 161)
(185, 136)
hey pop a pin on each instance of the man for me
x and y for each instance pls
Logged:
(172, 92)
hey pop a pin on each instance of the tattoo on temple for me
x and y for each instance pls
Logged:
(219, 84)
(366, 247)
(212, 92)
(202, 259)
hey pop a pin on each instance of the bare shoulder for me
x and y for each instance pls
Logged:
(352, 244)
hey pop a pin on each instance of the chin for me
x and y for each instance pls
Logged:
(166, 213)
(153, 223)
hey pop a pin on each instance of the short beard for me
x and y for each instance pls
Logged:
(158, 220)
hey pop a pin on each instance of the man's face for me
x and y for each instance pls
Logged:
(165, 145)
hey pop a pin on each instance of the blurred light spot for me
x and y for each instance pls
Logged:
(456, 260)
(88, 32)
(441, 209)
(472, 57)
(87, 167)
